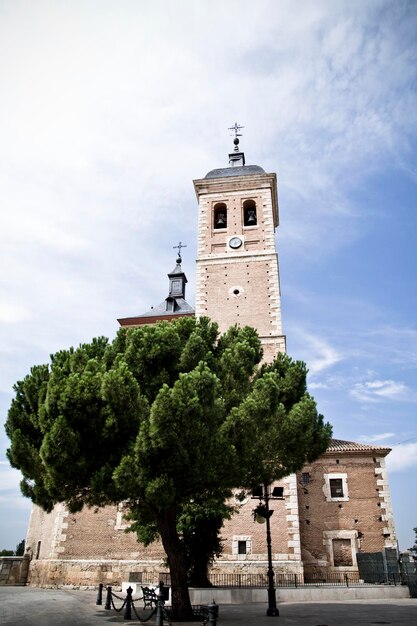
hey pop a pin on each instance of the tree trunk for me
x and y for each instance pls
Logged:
(199, 575)
(181, 605)
(203, 545)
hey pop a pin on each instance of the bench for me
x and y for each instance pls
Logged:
(149, 596)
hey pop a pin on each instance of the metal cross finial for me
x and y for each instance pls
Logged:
(236, 128)
(180, 245)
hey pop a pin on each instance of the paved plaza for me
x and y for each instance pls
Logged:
(27, 606)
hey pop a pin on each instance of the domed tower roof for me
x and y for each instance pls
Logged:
(236, 161)
(244, 170)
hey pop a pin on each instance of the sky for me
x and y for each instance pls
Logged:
(109, 109)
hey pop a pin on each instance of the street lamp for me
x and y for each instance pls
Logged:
(262, 513)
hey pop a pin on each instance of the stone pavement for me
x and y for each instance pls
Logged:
(27, 606)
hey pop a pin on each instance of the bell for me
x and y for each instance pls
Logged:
(221, 220)
(251, 218)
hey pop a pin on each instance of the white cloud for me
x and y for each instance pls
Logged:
(379, 390)
(319, 385)
(319, 354)
(9, 477)
(402, 457)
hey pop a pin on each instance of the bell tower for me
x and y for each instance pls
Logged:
(237, 262)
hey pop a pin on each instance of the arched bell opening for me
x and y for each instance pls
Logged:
(249, 213)
(220, 215)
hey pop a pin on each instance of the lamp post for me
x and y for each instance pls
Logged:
(263, 511)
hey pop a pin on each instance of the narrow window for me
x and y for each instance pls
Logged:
(220, 216)
(38, 550)
(305, 478)
(241, 547)
(249, 213)
(336, 487)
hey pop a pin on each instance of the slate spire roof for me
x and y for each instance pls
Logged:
(174, 304)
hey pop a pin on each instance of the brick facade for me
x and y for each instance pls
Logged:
(335, 525)
(240, 285)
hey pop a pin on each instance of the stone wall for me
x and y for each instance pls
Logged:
(14, 570)
(88, 572)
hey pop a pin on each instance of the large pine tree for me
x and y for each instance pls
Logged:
(170, 417)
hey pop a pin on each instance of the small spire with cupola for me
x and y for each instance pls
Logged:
(174, 304)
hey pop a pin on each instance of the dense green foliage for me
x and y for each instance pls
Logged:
(20, 548)
(171, 418)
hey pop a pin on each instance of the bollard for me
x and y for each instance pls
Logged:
(107, 606)
(159, 619)
(128, 609)
(100, 594)
(213, 611)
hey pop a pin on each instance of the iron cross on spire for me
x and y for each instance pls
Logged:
(180, 245)
(236, 128)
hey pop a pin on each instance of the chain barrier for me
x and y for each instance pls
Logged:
(156, 604)
(128, 604)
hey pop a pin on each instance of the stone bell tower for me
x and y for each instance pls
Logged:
(238, 283)
(237, 262)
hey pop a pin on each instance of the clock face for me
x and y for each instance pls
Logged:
(235, 242)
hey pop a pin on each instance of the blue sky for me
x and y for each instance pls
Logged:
(109, 109)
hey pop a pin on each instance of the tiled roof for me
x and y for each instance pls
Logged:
(141, 320)
(339, 445)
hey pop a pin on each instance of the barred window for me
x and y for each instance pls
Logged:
(336, 487)
(305, 478)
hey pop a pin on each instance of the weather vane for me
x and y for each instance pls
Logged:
(236, 128)
(180, 245)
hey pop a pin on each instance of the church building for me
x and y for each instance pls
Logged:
(335, 509)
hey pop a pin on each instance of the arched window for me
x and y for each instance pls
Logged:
(220, 215)
(249, 213)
